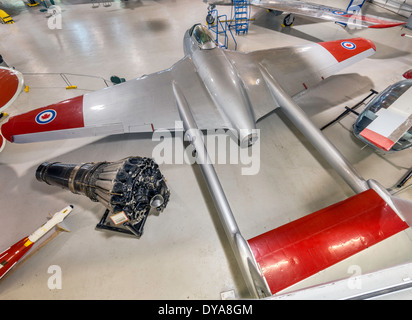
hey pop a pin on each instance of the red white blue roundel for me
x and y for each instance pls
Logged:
(46, 116)
(348, 45)
(341, 13)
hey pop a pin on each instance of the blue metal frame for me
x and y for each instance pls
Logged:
(220, 27)
(241, 16)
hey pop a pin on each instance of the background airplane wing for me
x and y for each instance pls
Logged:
(390, 124)
(140, 105)
(11, 84)
(296, 68)
(327, 13)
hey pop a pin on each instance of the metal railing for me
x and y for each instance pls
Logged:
(70, 81)
(221, 26)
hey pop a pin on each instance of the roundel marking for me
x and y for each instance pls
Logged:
(46, 116)
(348, 45)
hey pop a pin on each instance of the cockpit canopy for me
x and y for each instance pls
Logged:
(385, 100)
(202, 37)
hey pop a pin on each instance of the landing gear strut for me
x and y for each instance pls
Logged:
(211, 16)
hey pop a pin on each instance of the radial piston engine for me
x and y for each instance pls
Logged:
(128, 188)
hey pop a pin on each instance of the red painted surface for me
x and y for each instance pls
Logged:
(408, 74)
(377, 139)
(13, 254)
(303, 247)
(9, 84)
(379, 23)
(340, 53)
(69, 115)
(386, 25)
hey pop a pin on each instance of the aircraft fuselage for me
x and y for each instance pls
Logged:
(224, 85)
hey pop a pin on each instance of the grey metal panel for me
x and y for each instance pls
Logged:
(115, 128)
(322, 12)
(226, 89)
(257, 91)
(205, 111)
(374, 285)
(342, 166)
(139, 103)
(294, 68)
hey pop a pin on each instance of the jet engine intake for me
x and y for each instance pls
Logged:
(247, 138)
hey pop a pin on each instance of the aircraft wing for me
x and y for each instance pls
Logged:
(11, 84)
(140, 105)
(148, 103)
(306, 246)
(296, 68)
(322, 12)
(328, 13)
(391, 123)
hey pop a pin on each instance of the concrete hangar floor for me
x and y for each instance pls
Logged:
(183, 253)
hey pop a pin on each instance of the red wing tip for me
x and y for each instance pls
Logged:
(386, 25)
(345, 49)
(372, 44)
(378, 140)
(360, 40)
(408, 74)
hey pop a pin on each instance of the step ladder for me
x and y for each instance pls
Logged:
(241, 16)
(220, 27)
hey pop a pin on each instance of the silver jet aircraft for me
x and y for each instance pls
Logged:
(215, 88)
(225, 90)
